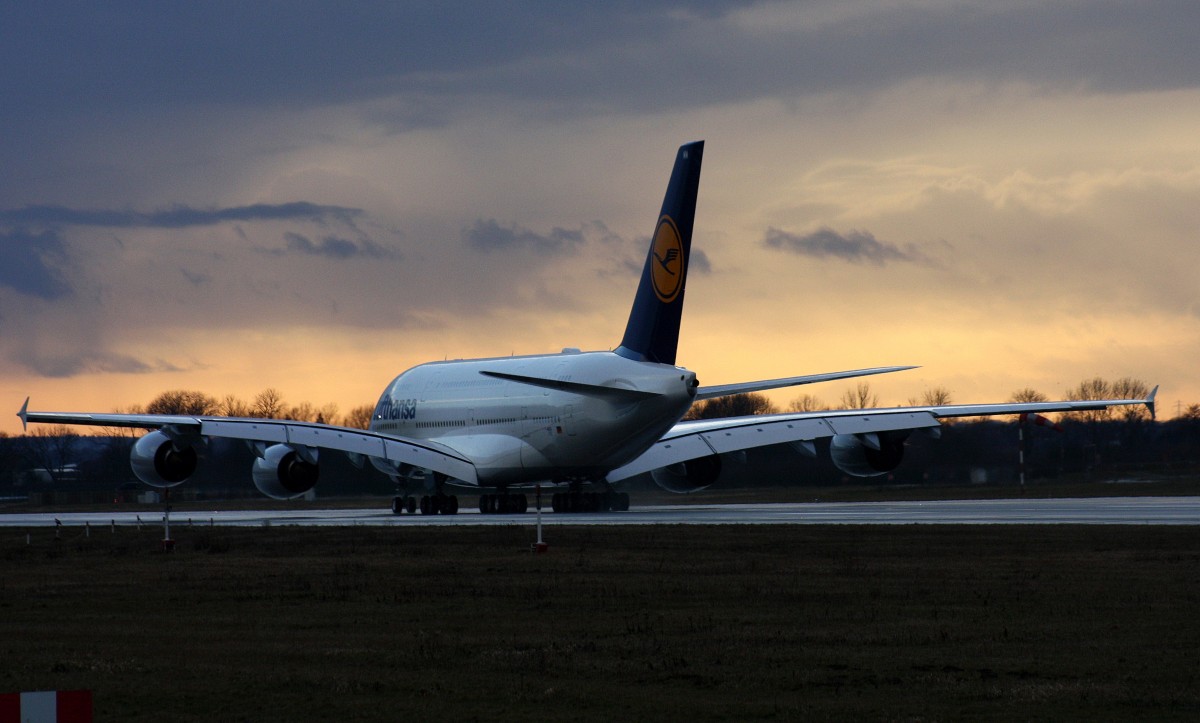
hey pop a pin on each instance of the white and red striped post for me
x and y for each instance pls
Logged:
(46, 706)
(1038, 420)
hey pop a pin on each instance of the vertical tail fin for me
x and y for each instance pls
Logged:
(652, 333)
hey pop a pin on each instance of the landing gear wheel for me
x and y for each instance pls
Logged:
(410, 504)
(397, 505)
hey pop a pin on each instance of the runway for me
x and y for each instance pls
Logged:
(1086, 511)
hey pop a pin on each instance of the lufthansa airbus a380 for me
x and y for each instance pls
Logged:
(582, 421)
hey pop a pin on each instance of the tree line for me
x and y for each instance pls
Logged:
(267, 404)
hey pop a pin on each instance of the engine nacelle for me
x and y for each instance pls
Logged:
(281, 473)
(690, 476)
(159, 461)
(867, 455)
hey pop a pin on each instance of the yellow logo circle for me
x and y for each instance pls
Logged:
(666, 269)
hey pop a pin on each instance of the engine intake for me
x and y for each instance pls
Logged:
(690, 476)
(160, 461)
(281, 472)
(867, 455)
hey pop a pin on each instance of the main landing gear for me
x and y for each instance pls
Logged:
(438, 504)
(503, 503)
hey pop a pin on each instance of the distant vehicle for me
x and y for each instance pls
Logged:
(42, 475)
(582, 421)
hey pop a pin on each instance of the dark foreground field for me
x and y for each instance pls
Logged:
(683, 623)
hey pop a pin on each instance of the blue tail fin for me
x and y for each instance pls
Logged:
(652, 333)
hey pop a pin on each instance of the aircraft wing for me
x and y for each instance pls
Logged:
(422, 453)
(723, 390)
(703, 437)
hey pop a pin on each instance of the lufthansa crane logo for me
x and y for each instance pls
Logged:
(667, 269)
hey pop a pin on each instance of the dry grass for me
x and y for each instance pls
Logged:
(646, 623)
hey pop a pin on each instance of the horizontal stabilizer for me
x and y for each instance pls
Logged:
(591, 390)
(723, 390)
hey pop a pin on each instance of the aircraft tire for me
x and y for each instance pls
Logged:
(451, 505)
(397, 505)
(410, 504)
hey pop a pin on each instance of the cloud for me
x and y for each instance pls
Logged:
(64, 365)
(336, 248)
(699, 262)
(488, 235)
(177, 216)
(28, 264)
(856, 247)
(196, 278)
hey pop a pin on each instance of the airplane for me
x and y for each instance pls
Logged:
(578, 421)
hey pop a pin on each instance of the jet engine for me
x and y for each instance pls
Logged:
(690, 476)
(867, 455)
(283, 472)
(160, 461)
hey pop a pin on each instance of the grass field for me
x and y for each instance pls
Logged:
(648, 623)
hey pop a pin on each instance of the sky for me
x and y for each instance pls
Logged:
(309, 197)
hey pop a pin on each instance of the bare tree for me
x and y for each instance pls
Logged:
(807, 403)
(328, 414)
(268, 404)
(1091, 389)
(1130, 388)
(302, 412)
(231, 406)
(733, 405)
(360, 417)
(860, 397)
(1028, 394)
(182, 401)
(50, 448)
(935, 397)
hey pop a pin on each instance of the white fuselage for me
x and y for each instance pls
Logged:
(521, 432)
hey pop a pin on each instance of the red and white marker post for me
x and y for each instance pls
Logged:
(46, 706)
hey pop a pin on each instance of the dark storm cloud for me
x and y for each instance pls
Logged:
(62, 366)
(29, 264)
(177, 216)
(858, 247)
(619, 55)
(334, 247)
(488, 235)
